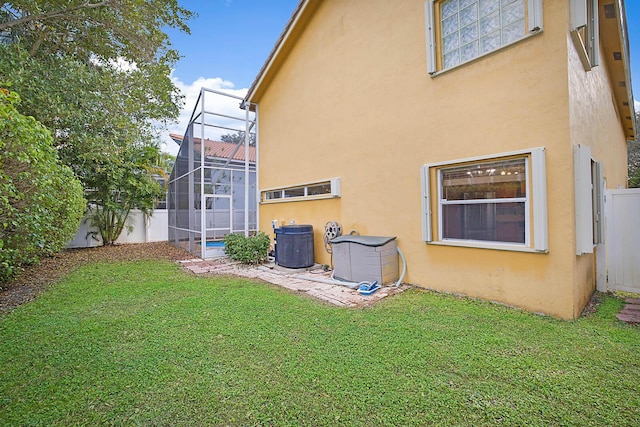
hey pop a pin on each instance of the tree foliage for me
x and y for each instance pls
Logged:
(41, 201)
(119, 185)
(89, 106)
(633, 152)
(238, 138)
(97, 75)
(108, 29)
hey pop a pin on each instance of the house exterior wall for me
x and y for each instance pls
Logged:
(594, 122)
(353, 99)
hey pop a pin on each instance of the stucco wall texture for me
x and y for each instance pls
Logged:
(351, 98)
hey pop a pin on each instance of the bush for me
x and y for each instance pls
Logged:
(247, 250)
(41, 201)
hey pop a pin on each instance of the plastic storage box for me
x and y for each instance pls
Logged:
(365, 258)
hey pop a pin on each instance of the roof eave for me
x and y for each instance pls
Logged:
(615, 51)
(624, 40)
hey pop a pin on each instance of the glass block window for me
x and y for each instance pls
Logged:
(462, 30)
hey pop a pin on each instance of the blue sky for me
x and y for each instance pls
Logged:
(231, 39)
(633, 26)
(229, 42)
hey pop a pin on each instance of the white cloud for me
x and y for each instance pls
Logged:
(636, 104)
(213, 103)
(123, 65)
(119, 63)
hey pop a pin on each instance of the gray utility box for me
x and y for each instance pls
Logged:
(365, 258)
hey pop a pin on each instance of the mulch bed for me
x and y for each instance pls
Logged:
(35, 279)
(593, 304)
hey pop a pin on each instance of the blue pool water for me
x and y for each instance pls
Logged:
(218, 244)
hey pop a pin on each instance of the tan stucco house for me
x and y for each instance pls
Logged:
(480, 133)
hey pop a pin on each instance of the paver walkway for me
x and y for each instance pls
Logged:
(631, 311)
(313, 283)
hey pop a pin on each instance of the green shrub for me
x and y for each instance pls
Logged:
(41, 201)
(247, 250)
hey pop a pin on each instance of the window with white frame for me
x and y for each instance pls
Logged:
(494, 202)
(310, 191)
(459, 31)
(584, 31)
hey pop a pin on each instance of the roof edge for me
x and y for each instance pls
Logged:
(624, 40)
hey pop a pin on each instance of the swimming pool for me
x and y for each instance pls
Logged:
(215, 244)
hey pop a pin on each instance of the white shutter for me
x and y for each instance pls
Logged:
(579, 15)
(431, 37)
(426, 205)
(535, 15)
(594, 34)
(583, 200)
(336, 190)
(539, 194)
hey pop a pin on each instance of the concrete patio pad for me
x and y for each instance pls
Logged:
(314, 283)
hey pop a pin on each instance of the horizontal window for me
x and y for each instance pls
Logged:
(295, 192)
(459, 31)
(271, 195)
(310, 191)
(487, 202)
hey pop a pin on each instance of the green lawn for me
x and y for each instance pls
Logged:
(146, 344)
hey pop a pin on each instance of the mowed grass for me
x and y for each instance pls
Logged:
(146, 344)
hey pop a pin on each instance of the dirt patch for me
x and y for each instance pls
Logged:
(35, 279)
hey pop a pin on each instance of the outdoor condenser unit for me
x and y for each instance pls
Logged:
(365, 258)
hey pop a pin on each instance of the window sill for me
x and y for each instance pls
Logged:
(487, 245)
(299, 199)
(484, 55)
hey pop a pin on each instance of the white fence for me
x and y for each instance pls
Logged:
(622, 211)
(152, 229)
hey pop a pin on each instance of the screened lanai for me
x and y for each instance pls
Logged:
(209, 193)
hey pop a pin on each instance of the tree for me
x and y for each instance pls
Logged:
(108, 29)
(238, 138)
(41, 201)
(119, 182)
(88, 106)
(633, 152)
(97, 75)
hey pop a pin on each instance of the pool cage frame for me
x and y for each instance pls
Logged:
(208, 195)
